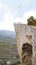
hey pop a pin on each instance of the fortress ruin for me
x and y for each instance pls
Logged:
(26, 43)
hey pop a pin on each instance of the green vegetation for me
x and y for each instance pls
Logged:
(31, 21)
(14, 61)
(6, 44)
(8, 52)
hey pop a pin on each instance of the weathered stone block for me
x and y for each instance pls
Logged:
(26, 43)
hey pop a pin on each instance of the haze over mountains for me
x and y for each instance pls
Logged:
(7, 34)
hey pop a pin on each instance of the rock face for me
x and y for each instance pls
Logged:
(26, 43)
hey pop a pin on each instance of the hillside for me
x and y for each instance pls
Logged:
(7, 34)
(8, 48)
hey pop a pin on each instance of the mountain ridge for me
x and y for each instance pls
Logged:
(7, 34)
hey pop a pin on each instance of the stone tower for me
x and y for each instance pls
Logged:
(26, 43)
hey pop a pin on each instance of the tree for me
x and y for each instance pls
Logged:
(31, 21)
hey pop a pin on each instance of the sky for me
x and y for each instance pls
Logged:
(14, 11)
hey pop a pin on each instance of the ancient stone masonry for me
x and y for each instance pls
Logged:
(26, 43)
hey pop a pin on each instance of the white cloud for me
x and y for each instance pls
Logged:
(9, 19)
(2, 5)
(28, 14)
(27, 1)
(7, 22)
(20, 20)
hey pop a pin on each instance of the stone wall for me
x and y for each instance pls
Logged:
(26, 34)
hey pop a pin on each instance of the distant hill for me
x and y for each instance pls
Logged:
(7, 34)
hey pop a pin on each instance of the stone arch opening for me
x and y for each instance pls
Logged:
(27, 53)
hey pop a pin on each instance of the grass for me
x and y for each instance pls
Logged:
(9, 45)
(8, 52)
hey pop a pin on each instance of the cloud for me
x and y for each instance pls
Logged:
(28, 14)
(7, 22)
(3, 10)
(20, 20)
(8, 18)
(27, 1)
(2, 5)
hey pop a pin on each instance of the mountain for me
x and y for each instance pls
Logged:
(7, 34)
